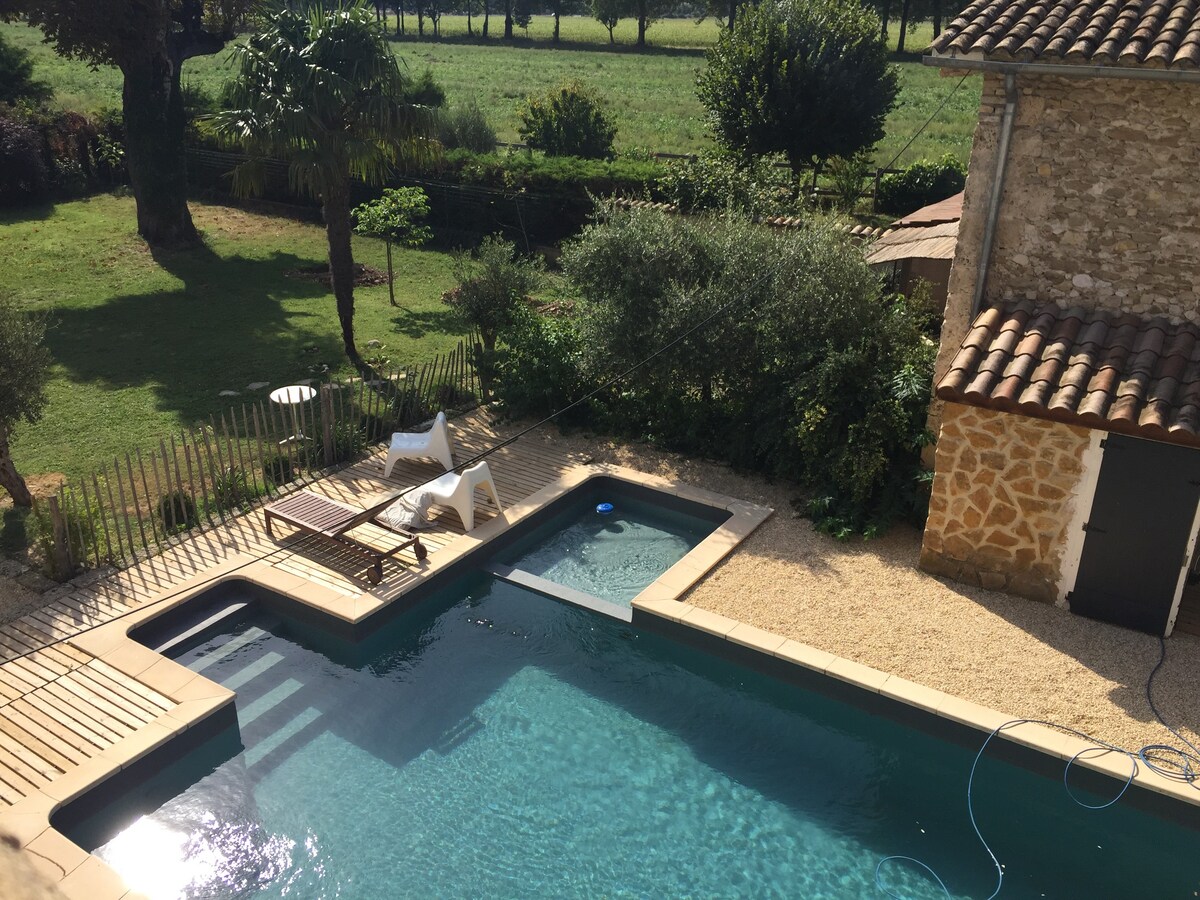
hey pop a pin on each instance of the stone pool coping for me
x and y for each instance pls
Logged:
(197, 699)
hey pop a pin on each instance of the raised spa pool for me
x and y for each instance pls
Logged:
(493, 742)
(609, 540)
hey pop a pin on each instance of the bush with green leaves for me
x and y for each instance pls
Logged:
(569, 121)
(847, 176)
(17, 84)
(24, 175)
(803, 370)
(493, 283)
(278, 469)
(806, 78)
(920, 184)
(397, 216)
(466, 127)
(721, 181)
(538, 368)
(231, 488)
(176, 510)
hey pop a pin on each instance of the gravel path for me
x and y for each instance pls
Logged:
(867, 601)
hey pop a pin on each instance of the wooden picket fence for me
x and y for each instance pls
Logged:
(248, 454)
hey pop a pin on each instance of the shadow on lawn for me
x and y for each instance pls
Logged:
(415, 323)
(223, 329)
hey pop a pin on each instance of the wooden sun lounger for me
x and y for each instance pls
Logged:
(329, 519)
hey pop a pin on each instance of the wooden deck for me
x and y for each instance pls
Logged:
(60, 706)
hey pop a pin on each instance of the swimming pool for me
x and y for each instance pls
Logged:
(493, 742)
(607, 541)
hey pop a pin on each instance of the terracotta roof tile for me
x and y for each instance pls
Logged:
(1143, 33)
(1116, 372)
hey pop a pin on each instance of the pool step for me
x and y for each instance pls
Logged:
(546, 588)
(226, 650)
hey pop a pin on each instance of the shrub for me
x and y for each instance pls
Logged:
(466, 127)
(920, 184)
(24, 176)
(348, 442)
(538, 371)
(805, 372)
(722, 182)
(277, 469)
(231, 488)
(17, 83)
(375, 428)
(806, 78)
(569, 121)
(847, 177)
(424, 91)
(493, 282)
(177, 511)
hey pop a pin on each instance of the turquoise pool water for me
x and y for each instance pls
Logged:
(497, 743)
(614, 556)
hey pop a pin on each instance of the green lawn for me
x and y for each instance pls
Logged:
(144, 343)
(651, 93)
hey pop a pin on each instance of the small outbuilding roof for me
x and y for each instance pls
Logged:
(929, 233)
(1158, 34)
(1099, 369)
(930, 242)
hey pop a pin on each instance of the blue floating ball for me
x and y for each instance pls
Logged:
(604, 508)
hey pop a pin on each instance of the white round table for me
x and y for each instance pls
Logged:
(293, 396)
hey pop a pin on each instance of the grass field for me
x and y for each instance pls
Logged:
(651, 93)
(144, 343)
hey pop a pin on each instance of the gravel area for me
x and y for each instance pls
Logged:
(867, 601)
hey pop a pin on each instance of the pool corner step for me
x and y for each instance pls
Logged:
(546, 588)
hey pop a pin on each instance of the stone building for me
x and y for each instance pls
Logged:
(1068, 377)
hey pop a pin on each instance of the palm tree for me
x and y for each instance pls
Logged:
(321, 89)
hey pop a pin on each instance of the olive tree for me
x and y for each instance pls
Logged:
(24, 370)
(806, 78)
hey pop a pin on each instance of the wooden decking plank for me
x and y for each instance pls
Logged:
(19, 774)
(82, 714)
(79, 744)
(116, 716)
(25, 754)
(132, 691)
(47, 745)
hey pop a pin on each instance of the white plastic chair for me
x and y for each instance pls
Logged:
(435, 443)
(458, 491)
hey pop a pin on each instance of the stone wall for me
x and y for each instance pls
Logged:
(1099, 208)
(1003, 498)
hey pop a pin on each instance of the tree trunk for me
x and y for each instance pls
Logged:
(155, 123)
(508, 20)
(487, 14)
(904, 9)
(641, 40)
(885, 13)
(470, 28)
(937, 17)
(420, 21)
(611, 39)
(391, 277)
(336, 209)
(10, 478)
(733, 5)
(557, 16)
(400, 17)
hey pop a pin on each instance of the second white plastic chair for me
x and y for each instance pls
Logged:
(458, 491)
(435, 442)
